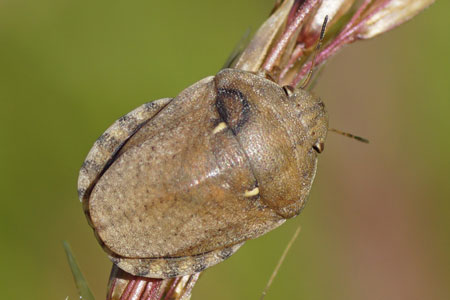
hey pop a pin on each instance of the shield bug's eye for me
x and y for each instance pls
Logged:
(319, 147)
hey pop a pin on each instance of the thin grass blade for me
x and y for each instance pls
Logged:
(80, 281)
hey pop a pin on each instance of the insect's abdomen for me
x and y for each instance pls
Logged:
(107, 146)
(182, 185)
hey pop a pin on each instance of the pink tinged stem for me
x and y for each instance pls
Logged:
(156, 291)
(296, 55)
(152, 290)
(138, 289)
(126, 294)
(111, 289)
(347, 36)
(147, 291)
(282, 43)
(172, 288)
(125, 286)
(357, 14)
(293, 12)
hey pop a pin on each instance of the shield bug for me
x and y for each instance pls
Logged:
(178, 185)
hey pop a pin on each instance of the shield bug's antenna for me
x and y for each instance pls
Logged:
(319, 44)
(280, 262)
(358, 138)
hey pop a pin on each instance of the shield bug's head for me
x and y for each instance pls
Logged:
(313, 117)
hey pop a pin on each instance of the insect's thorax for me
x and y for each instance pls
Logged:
(277, 132)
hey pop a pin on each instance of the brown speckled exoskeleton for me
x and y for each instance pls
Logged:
(178, 185)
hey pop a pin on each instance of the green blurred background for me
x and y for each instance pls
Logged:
(377, 225)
